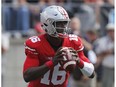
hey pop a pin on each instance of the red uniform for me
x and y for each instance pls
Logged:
(39, 51)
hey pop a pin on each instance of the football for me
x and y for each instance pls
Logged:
(68, 62)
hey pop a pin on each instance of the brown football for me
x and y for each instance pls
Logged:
(68, 63)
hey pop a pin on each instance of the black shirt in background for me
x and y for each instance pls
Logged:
(7, 1)
(32, 1)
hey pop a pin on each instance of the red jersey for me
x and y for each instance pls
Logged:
(39, 51)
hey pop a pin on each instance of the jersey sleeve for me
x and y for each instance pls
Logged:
(83, 57)
(85, 65)
(78, 46)
(77, 43)
(31, 55)
(31, 47)
(30, 62)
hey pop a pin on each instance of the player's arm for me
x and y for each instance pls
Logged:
(32, 73)
(83, 62)
(35, 72)
(32, 69)
(85, 65)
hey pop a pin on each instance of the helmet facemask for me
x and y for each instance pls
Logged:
(57, 28)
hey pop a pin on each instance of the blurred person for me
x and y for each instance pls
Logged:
(23, 17)
(75, 29)
(35, 7)
(92, 37)
(38, 28)
(61, 2)
(41, 67)
(86, 15)
(104, 15)
(81, 8)
(90, 1)
(5, 45)
(111, 2)
(34, 10)
(105, 51)
(16, 20)
(78, 80)
(7, 14)
(75, 25)
(111, 16)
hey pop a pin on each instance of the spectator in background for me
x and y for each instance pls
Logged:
(5, 45)
(105, 9)
(35, 7)
(34, 10)
(23, 17)
(92, 37)
(77, 81)
(39, 29)
(61, 2)
(7, 14)
(16, 17)
(86, 15)
(105, 51)
(111, 16)
(90, 1)
(75, 29)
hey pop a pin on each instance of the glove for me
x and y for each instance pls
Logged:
(61, 53)
(58, 56)
(69, 58)
(74, 54)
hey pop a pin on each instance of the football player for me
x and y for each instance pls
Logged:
(41, 67)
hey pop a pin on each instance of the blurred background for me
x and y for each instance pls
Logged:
(92, 20)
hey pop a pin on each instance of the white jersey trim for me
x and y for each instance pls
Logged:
(80, 49)
(26, 47)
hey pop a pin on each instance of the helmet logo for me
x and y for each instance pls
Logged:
(49, 20)
(63, 12)
(55, 14)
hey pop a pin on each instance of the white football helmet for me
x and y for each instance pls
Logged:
(55, 21)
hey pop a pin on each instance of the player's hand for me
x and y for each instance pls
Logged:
(74, 54)
(58, 56)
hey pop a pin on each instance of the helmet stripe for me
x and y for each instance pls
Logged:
(63, 12)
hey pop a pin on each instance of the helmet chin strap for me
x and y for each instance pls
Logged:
(61, 35)
(57, 35)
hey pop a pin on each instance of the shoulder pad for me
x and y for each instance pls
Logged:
(76, 42)
(32, 42)
(31, 45)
